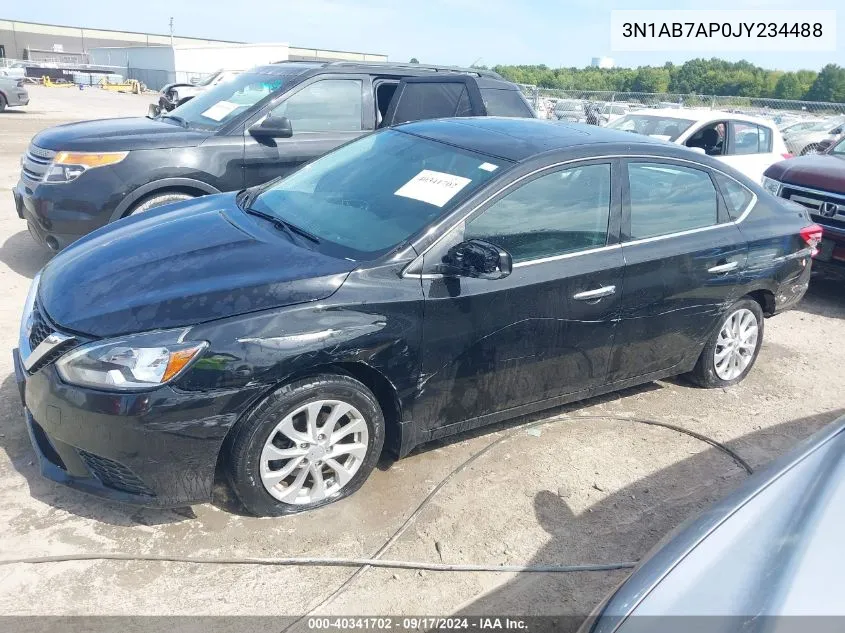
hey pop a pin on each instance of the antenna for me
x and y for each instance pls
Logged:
(171, 31)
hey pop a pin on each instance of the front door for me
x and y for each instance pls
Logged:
(547, 328)
(684, 261)
(324, 114)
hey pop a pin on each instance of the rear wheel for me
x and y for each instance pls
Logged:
(158, 200)
(310, 443)
(731, 351)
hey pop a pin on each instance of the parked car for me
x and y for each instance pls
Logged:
(818, 183)
(571, 110)
(814, 139)
(15, 70)
(770, 550)
(262, 124)
(748, 144)
(12, 93)
(175, 94)
(419, 282)
(792, 126)
(612, 111)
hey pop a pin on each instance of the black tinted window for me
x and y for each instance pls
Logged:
(430, 101)
(562, 212)
(736, 196)
(324, 106)
(668, 199)
(504, 103)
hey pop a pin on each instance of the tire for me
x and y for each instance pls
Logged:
(268, 487)
(812, 148)
(157, 201)
(710, 374)
(2, 103)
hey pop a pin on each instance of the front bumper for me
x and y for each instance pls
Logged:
(58, 215)
(157, 448)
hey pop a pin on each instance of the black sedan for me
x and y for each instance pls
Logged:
(413, 284)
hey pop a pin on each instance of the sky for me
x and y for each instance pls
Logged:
(458, 32)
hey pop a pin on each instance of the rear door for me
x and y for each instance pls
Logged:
(750, 148)
(325, 112)
(437, 97)
(684, 261)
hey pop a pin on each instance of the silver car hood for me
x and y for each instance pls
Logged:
(774, 547)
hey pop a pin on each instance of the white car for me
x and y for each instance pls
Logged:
(748, 144)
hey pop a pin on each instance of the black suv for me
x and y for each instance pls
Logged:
(260, 125)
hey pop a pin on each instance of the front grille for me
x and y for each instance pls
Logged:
(824, 207)
(36, 162)
(114, 475)
(41, 329)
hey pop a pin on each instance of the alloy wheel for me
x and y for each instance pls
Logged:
(736, 344)
(314, 451)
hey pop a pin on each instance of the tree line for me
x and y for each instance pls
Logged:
(697, 76)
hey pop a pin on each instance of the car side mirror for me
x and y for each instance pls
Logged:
(272, 127)
(476, 258)
(836, 132)
(698, 150)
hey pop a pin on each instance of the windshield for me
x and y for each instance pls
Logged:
(668, 128)
(222, 103)
(371, 195)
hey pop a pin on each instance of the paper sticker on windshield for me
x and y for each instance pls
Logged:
(220, 110)
(488, 166)
(433, 187)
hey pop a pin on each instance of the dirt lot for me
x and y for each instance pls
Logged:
(594, 490)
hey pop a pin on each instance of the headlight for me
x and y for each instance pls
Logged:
(771, 185)
(130, 363)
(67, 166)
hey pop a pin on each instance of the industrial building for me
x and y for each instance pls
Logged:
(154, 59)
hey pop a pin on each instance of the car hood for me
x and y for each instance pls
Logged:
(107, 135)
(180, 265)
(821, 171)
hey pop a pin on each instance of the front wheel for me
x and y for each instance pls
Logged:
(308, 444)
(732, 349)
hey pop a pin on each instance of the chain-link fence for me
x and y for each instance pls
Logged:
(563, 104)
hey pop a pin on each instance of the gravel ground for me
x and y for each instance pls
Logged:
(593, 490)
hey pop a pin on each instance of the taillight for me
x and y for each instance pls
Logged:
(812, 235)
(787, 155)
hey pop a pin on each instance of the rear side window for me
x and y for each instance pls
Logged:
(431, 101)
(505, 103)
(737, 198)
(669, 199)
(749, 138)
(563, 212)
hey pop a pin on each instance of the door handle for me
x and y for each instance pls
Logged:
(724, 268)
(598, 293)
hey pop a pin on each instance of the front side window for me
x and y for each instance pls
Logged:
(750, 138)
(330, 105)
(368, 196)
(562, 212)
(669, 199)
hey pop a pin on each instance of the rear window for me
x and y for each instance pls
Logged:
(505, 103)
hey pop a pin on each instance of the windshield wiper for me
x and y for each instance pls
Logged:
(178, 119)
(245, 199)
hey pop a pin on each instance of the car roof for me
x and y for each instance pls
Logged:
(521, 139)
(700, 114)
(391, 68)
